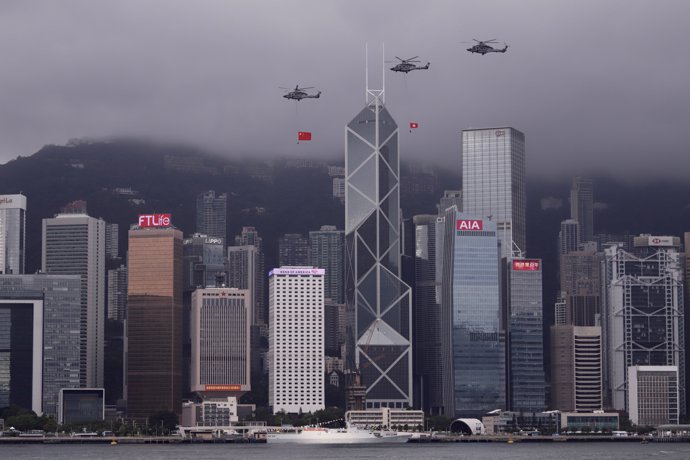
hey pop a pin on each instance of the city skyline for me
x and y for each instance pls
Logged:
(609, 96)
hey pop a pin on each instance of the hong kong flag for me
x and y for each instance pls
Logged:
(304, 136)
(414, 125)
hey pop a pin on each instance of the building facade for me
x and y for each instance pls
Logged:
(12, 234)
(493, 182)
(527, 391)
(220, 342)
(295, 340)
(472, 292)
(293, 250)
(582, 206)
(380, 302)
(211, 214)
(432, 344)
(74, 244)
(203, 261)
(569, 237)
(117, 293)
(326, 250)
(576, 368)
(154, 321)
(61, 299)
(643, 318)
(653, 395)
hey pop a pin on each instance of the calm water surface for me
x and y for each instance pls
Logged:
(493, 451)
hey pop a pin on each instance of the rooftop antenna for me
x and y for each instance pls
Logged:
(374, 96)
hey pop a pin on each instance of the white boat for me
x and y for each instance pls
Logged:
(349, 435)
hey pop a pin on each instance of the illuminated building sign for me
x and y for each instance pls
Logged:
(473, 224)
(526, 265)
(297, 271)
(222, 387)
(154, 220)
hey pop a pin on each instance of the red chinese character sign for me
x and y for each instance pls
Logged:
(526, 265)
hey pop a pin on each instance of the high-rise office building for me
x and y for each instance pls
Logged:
(471, 290)
(12, 234)
(220, 342)
(432, 337)
(581, 284)
(112, 241)
(527, 391)
(450, 198)
(211, 214)
(59, 299)
(569, 236)
(326, 251)
(21, 352)
(242, 274)
(295, 340)
(250, 237)
(576, 368)
(381, 303)
(203, 261)
(293, 250)
(74, 244)
(582, 206)
(117, 293)
(653, 395)
(493, 182)
(154, 321)
(686, 297)
(643, 317)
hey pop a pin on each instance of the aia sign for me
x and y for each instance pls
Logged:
(154, 220)
(469, 224)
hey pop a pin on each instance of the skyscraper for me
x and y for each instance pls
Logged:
(326, 251)
(450, 198)
(242, 274)
(374, 292)
(493, 182)
(117, 293)
(220, 342)
(295, 340)
(293, 250)
(59, 298)
(582, 206)
(472, 292)
(569, 237)
(643, 312)
(211, 214)
(12, 234)
(74, 244)
(576, 368)
(432, 337)
(527, 389)
(112, 241)
(204, 261)
(250, 237)
(154, 321)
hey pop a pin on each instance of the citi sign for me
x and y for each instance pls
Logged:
(469, 224)
(154, 220)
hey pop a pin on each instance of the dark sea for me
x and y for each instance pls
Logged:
(489, 451)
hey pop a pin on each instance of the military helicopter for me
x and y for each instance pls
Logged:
(299, 93)
(483, 47)
(407, 66)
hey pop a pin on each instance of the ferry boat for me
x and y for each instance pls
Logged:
(348, 435)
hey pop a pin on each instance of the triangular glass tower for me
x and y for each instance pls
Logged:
(378, 299)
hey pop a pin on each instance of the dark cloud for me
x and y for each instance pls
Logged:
(551, 202)
(596, 86)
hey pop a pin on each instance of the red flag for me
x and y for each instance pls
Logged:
(414, 125)
(304, 136)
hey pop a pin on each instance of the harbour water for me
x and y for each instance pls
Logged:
(462, 451)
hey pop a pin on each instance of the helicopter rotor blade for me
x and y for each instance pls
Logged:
(409, 60)
(399, 59)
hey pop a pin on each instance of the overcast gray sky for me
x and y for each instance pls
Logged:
(596, 85)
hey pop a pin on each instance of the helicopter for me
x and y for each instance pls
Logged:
(407, 66)
(483, 47)
(299, 93)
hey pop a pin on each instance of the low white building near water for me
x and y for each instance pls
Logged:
(653, 395)
(386, 417)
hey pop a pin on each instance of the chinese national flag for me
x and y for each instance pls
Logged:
(414, 125)
(304, 136)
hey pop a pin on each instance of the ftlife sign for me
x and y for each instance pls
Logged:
(154, 220)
